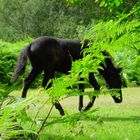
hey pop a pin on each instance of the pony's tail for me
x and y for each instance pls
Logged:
(21, 63)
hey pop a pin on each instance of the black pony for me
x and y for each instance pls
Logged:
(51, 54)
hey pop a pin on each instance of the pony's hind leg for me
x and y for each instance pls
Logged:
(96, 86)
(28, 81)
(49, 74)
(59, 107)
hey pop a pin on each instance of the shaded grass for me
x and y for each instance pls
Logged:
(111, 121)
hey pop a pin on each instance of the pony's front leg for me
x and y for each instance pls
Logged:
(59, 107)
(96, 86)
(80, 102)
(90, 104)
(81, 88)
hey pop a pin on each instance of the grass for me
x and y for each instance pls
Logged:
(110, 121)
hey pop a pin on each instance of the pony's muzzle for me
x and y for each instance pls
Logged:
(118, 97)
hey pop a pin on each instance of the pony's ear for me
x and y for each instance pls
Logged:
(102, 72)
(109, 63)
(103, 66)
(119, 70)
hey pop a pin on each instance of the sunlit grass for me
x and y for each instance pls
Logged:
(110, 122)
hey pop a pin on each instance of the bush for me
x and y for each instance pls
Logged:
(134, 72)
(129, 60)
(7, 62)
(9, 53)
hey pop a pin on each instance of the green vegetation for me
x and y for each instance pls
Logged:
(106, 120)
(8, 57)
(28, 18)
(109, 25)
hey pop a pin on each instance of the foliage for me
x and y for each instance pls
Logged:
(53, 18)
(111, 5)
(109, 9)
(134, 74)
(112, 35)
(108, 122)
(27, 18)
(131, 71)
(8, 57)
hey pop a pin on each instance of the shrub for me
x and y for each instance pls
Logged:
(8, 57)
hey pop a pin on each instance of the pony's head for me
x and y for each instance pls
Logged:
(112, 76)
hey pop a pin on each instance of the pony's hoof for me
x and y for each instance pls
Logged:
(80, 109)
(62, 113)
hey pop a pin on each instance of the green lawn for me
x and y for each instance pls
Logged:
(111, 121)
